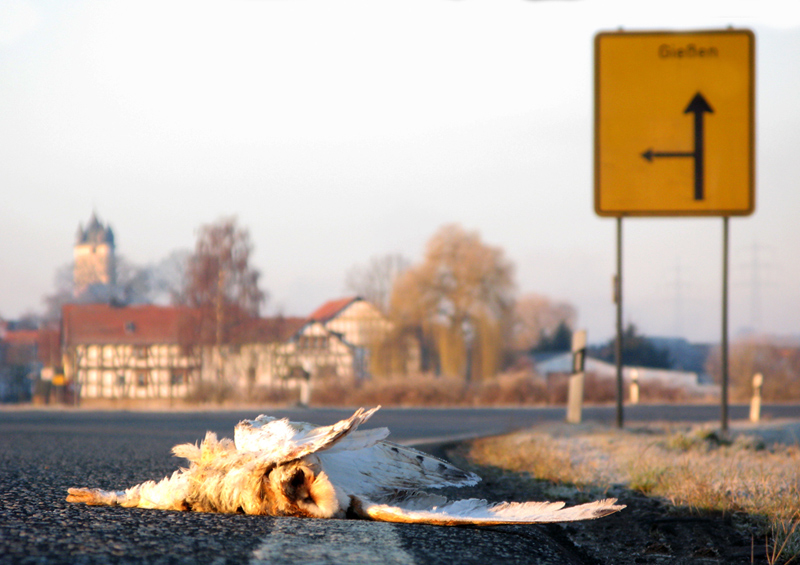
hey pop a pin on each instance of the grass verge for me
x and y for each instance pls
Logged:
(690, 468)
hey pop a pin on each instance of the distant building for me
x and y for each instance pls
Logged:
(561, 364)
(685, 356)
(253, 358)
(152, 352)
(28, 355)
(339, 340)
(19, 363)
(130, 352)
(94, 275)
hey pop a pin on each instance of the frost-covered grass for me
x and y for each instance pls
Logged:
(693, 468)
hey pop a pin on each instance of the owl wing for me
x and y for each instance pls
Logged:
(386, 468)
(277, 441)
(355, 461)
(427, 509)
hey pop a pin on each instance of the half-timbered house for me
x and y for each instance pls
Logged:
(253, 357)
(130, 352)
(337, 341)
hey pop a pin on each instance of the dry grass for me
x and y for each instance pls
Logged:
(510, 389)
(521, 387)
(690, 468)
(514, 388)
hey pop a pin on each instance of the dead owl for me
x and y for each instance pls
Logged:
(280, 468)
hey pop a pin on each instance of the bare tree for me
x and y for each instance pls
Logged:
(170, 275)
(461, 298)
(537, 317)
(220, 281)
(63, 294)
(374, 281)
(161, 282)
(133, 283)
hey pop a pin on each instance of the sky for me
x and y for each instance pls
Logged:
(340, 130)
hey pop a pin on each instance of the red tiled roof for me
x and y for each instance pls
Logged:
(45, 342)
(331, 309)
(20, 337)
(19, 347)
(267, 330)
(101, 324)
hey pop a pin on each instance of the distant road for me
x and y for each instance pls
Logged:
(408, 425)
(43, 452)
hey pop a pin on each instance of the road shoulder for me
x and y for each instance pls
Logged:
(651, 529)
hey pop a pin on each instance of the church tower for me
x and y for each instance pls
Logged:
(95, 268)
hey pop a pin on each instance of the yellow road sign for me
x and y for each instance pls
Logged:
(674, 123)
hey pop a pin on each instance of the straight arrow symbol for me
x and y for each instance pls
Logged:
(697, 106)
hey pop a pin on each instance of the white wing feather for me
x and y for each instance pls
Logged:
(359, 439)
(280, 441)
(482, 513)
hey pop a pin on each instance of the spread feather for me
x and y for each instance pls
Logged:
(280, 468)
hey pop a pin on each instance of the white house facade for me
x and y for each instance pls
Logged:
(129, 352)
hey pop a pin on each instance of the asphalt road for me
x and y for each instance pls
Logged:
(43, 452)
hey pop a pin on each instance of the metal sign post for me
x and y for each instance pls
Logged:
(618, 342)
(674, 136)
(724, 341)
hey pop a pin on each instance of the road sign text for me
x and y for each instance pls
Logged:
(690, 50)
